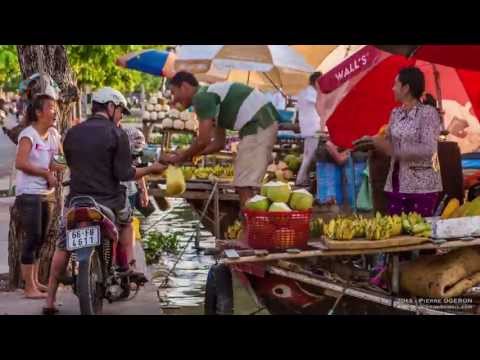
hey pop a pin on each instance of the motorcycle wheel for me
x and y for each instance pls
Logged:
(219, 291)
(90, 293)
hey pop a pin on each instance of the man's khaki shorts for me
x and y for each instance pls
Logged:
(253, 157)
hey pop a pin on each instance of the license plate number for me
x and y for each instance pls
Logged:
(83, 238)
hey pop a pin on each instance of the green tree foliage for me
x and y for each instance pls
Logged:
(93, 65)
(9, 68)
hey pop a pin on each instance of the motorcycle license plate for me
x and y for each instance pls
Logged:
(83, 238)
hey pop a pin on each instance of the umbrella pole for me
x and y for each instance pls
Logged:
(248, 78)
(436, 75)
(274, 85)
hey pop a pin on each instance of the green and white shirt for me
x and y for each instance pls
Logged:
(235, 106)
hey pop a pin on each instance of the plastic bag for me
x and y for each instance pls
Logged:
(364, 198)
(175, 181)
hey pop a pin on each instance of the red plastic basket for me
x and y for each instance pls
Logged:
(278, 230)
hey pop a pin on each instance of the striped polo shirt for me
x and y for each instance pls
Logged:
(235, 106)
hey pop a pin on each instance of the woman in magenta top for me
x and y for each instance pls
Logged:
(414, 181)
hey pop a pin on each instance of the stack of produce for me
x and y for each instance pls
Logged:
(156, 109)
(454, 210)
(234, 230)
(278, 197)
(171, 118)
(286, 169)
(205, 173)
(377, 228)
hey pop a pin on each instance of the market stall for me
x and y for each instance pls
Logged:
(295, 262)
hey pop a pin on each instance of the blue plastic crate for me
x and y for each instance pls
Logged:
(286, 116)
(471, 164)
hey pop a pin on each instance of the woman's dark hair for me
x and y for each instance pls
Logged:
(32, 108)
(414, 78)
(428, 99)
(184, 76)
(314, 77)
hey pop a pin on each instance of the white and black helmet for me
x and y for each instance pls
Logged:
(37, 85)
(136, 140)
(108, 94)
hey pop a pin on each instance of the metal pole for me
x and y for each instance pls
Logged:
(216, 210)
(438, 88)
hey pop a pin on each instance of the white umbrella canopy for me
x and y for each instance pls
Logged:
(263, 66)
(314, 54)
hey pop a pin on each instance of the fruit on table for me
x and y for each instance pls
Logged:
(276, 191)
(396, 225)
(293, 162)
(451, 207)
(316, 227)
(279, 207)
(301, 200)
(188, 172)
(474, 208)
(167, 123)
(376, 228)
(233, 231)
(258, 203)
(179, 124)
(202, 173)
(288, 175)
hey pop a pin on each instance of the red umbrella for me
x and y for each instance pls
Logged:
(356, 97)
(457, 56)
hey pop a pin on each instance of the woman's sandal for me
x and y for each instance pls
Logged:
(50, 311)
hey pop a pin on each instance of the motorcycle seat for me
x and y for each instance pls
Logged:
(88, 201)
(107, 212)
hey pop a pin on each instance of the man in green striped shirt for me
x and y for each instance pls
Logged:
(230, 106)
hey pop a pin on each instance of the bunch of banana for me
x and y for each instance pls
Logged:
(359, 223)
(316, 227)
(340, 229)
(202, 173)
(234, 230)
(217, 171)
(414, 224)
(396, 224)
(188, 172)
(228, 171)
(379, 228)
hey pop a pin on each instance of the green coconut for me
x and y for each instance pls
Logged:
(277, 191)
(258, 203)
(301, 200)
(279, 207)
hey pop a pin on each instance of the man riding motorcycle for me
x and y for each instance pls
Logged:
(98, 155)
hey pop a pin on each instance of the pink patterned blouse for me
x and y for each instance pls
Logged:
(416, 133)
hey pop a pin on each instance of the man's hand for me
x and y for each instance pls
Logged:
(144, 198)
(51, 180)
(156, 168)
(173, 158)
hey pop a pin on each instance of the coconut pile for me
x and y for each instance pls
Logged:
(168, 118)
(277, 196)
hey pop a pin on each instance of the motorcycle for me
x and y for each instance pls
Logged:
(96, 260)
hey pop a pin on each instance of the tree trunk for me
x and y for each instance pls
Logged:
(51, 59)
